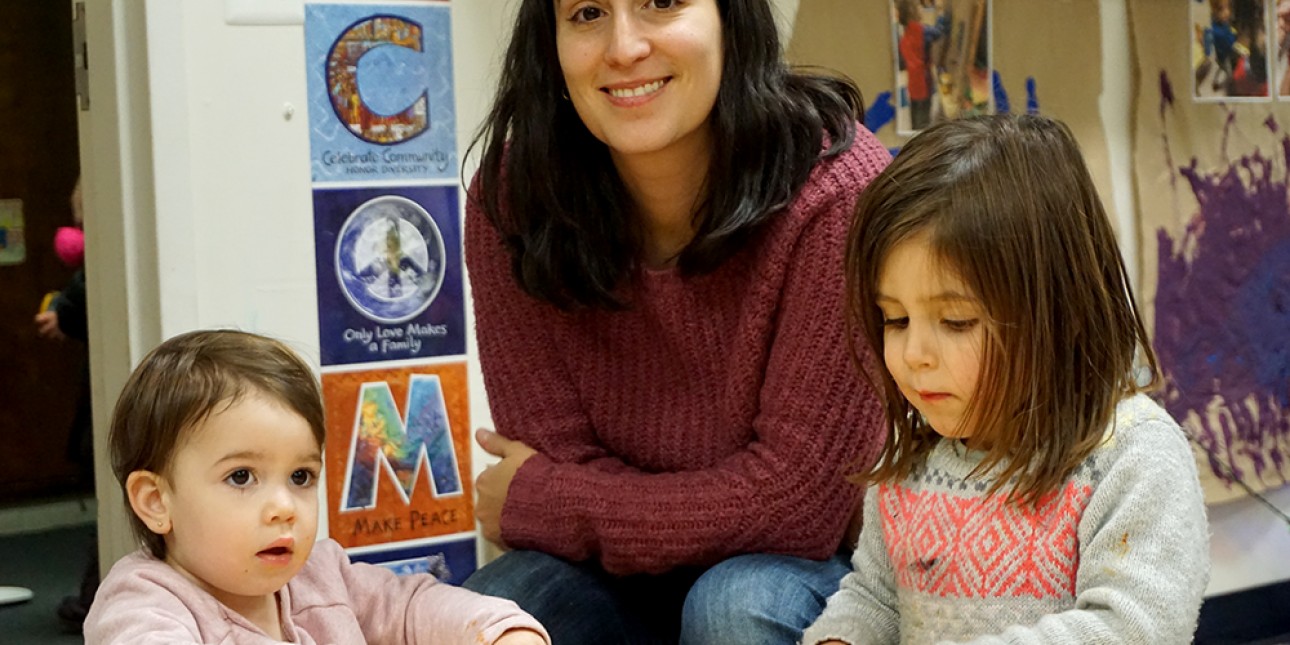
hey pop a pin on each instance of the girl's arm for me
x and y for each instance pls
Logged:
(1144, 545)
(418, 609)
(784, 492)
(863, 611)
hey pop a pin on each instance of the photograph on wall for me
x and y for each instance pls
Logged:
(451, 559)
(398, 454)
(943, 64)
(1229, 50)
(389, 274)
(380, 88)
(13, 239)
(1282, 59)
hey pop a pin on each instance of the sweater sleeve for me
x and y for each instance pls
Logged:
(418, 609)
(863, 610)
(784, 492)
(1144, 550)
(70, 306)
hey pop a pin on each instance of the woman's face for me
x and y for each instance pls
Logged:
(642, 74)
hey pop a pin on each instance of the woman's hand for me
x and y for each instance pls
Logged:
(494, 483)
(520, 637)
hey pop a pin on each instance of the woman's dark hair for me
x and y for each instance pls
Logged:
(1007, 205)
(549, 186)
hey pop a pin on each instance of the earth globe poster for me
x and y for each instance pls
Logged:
(389, 274)
(380, 87)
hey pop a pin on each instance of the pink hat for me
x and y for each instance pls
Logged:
(69, 244)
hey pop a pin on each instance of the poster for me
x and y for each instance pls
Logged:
(389, 273)
(13, 241)
(391, 311)
(398, 454)
(943, 66)
(1229, 50)
(381, 100)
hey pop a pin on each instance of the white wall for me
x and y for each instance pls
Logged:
(198, 188)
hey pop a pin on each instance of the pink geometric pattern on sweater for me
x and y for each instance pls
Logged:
(972, 547)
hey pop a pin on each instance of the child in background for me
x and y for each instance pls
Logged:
(1028, 491)
(217, 441)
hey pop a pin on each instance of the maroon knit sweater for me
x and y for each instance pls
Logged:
(718, 415)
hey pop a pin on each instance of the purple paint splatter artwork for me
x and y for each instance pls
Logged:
(1223, 311)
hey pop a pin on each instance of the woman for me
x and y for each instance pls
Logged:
(655, 242)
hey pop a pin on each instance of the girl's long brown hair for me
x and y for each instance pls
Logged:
(1008, 205)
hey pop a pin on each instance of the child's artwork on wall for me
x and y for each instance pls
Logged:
(1229, 50)
(1214, 181)
(943, 60)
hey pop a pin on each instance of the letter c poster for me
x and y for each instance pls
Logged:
(381, 101)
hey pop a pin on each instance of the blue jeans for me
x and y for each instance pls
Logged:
(754, 599)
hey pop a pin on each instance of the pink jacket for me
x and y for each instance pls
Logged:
(332, 601)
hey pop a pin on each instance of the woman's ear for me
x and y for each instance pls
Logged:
(146, 492)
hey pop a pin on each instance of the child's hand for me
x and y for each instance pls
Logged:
(47, 325)
(520, 637)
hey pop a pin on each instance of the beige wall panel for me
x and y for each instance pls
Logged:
(1057, 42)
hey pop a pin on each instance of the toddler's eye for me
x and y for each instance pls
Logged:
(302, 477)
(240, 478)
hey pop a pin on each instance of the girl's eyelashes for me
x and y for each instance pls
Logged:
(304, 477)
(960, 325)
(662, 4)
(240, 478)
(895, 323)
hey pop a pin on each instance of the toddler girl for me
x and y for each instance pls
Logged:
(217, 440)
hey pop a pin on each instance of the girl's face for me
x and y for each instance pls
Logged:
(642, 74)
(933, 330)
(242, 501)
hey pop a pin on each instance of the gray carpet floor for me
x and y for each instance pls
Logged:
(50, 563)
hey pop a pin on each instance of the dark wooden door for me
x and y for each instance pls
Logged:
(39, 163)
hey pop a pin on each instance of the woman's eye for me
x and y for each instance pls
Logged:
(240, 478)
(302, 477)
(661, 4)
(587, 14)
(960, 325)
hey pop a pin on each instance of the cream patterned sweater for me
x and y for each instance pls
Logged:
(1120, 554)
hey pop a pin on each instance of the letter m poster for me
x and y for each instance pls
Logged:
(398, 454)
(381, 102)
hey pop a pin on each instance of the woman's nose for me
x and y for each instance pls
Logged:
(628, 41)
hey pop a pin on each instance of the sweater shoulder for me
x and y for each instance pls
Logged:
(1141, 430)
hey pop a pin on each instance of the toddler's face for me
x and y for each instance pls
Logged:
(243, 500)
(933, 331)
